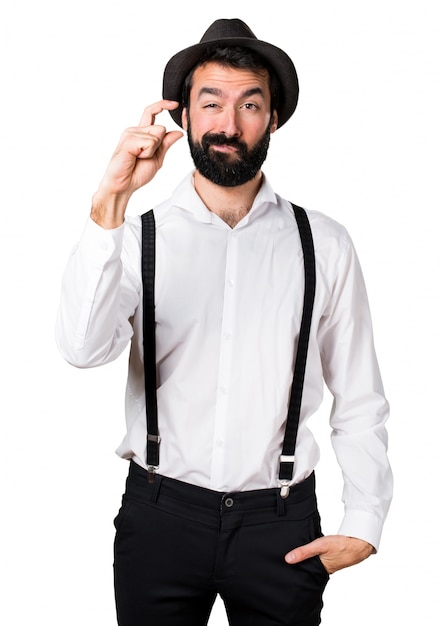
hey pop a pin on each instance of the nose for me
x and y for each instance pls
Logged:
(229, 123)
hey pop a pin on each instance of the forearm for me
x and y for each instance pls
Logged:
(359, 437)
(97, 300)
(368, 484)
(360, 409)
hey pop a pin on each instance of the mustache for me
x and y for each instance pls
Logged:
(213, 139)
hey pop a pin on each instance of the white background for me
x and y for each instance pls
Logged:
(363, 146)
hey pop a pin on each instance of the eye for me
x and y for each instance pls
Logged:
(250, 106)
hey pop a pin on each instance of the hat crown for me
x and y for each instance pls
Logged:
(223, 29)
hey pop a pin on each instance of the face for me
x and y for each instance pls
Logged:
(229, 123)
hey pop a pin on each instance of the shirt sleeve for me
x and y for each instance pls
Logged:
(99, 295)
(360, 409)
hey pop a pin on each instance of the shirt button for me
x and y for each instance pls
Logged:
(230, 283)
(229, 502)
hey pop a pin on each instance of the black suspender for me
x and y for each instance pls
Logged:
(286, 469)
(148, 258)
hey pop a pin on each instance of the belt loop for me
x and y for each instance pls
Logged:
(156, 488)
(281, 509)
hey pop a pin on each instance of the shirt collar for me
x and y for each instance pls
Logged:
(186, 197)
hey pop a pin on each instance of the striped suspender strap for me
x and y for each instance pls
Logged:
(286, 469)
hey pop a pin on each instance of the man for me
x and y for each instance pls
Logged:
(211, 515)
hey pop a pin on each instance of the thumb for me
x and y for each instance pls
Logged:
(304, 552)
(171, 138)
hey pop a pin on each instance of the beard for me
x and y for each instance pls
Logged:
(228, 170)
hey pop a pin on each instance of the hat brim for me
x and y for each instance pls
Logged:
(183, 62)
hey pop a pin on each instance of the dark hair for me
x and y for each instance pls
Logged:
(239, 58)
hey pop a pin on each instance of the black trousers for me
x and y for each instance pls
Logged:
(177, 546)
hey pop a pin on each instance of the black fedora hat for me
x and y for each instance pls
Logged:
(232, 33)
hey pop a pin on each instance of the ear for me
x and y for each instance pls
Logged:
(184, 119)
(274, 121)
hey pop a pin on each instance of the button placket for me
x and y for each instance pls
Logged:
(225, 360)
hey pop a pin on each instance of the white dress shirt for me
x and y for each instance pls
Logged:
(228, 310)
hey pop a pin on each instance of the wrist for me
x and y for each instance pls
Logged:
(108, 210)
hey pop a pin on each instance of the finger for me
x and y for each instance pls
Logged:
(150, 112)
(160, 149)
(143, 143)
(304, 552)
(157, 140)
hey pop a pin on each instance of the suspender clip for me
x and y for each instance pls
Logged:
(284, 482)
(151, 469)
(284, 489)
(152, 455)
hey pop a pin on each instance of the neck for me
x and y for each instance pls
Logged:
(231, 204)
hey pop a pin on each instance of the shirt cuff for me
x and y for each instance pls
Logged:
(102, 244)
(362, 525)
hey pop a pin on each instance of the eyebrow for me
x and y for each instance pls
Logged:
(214, 91)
